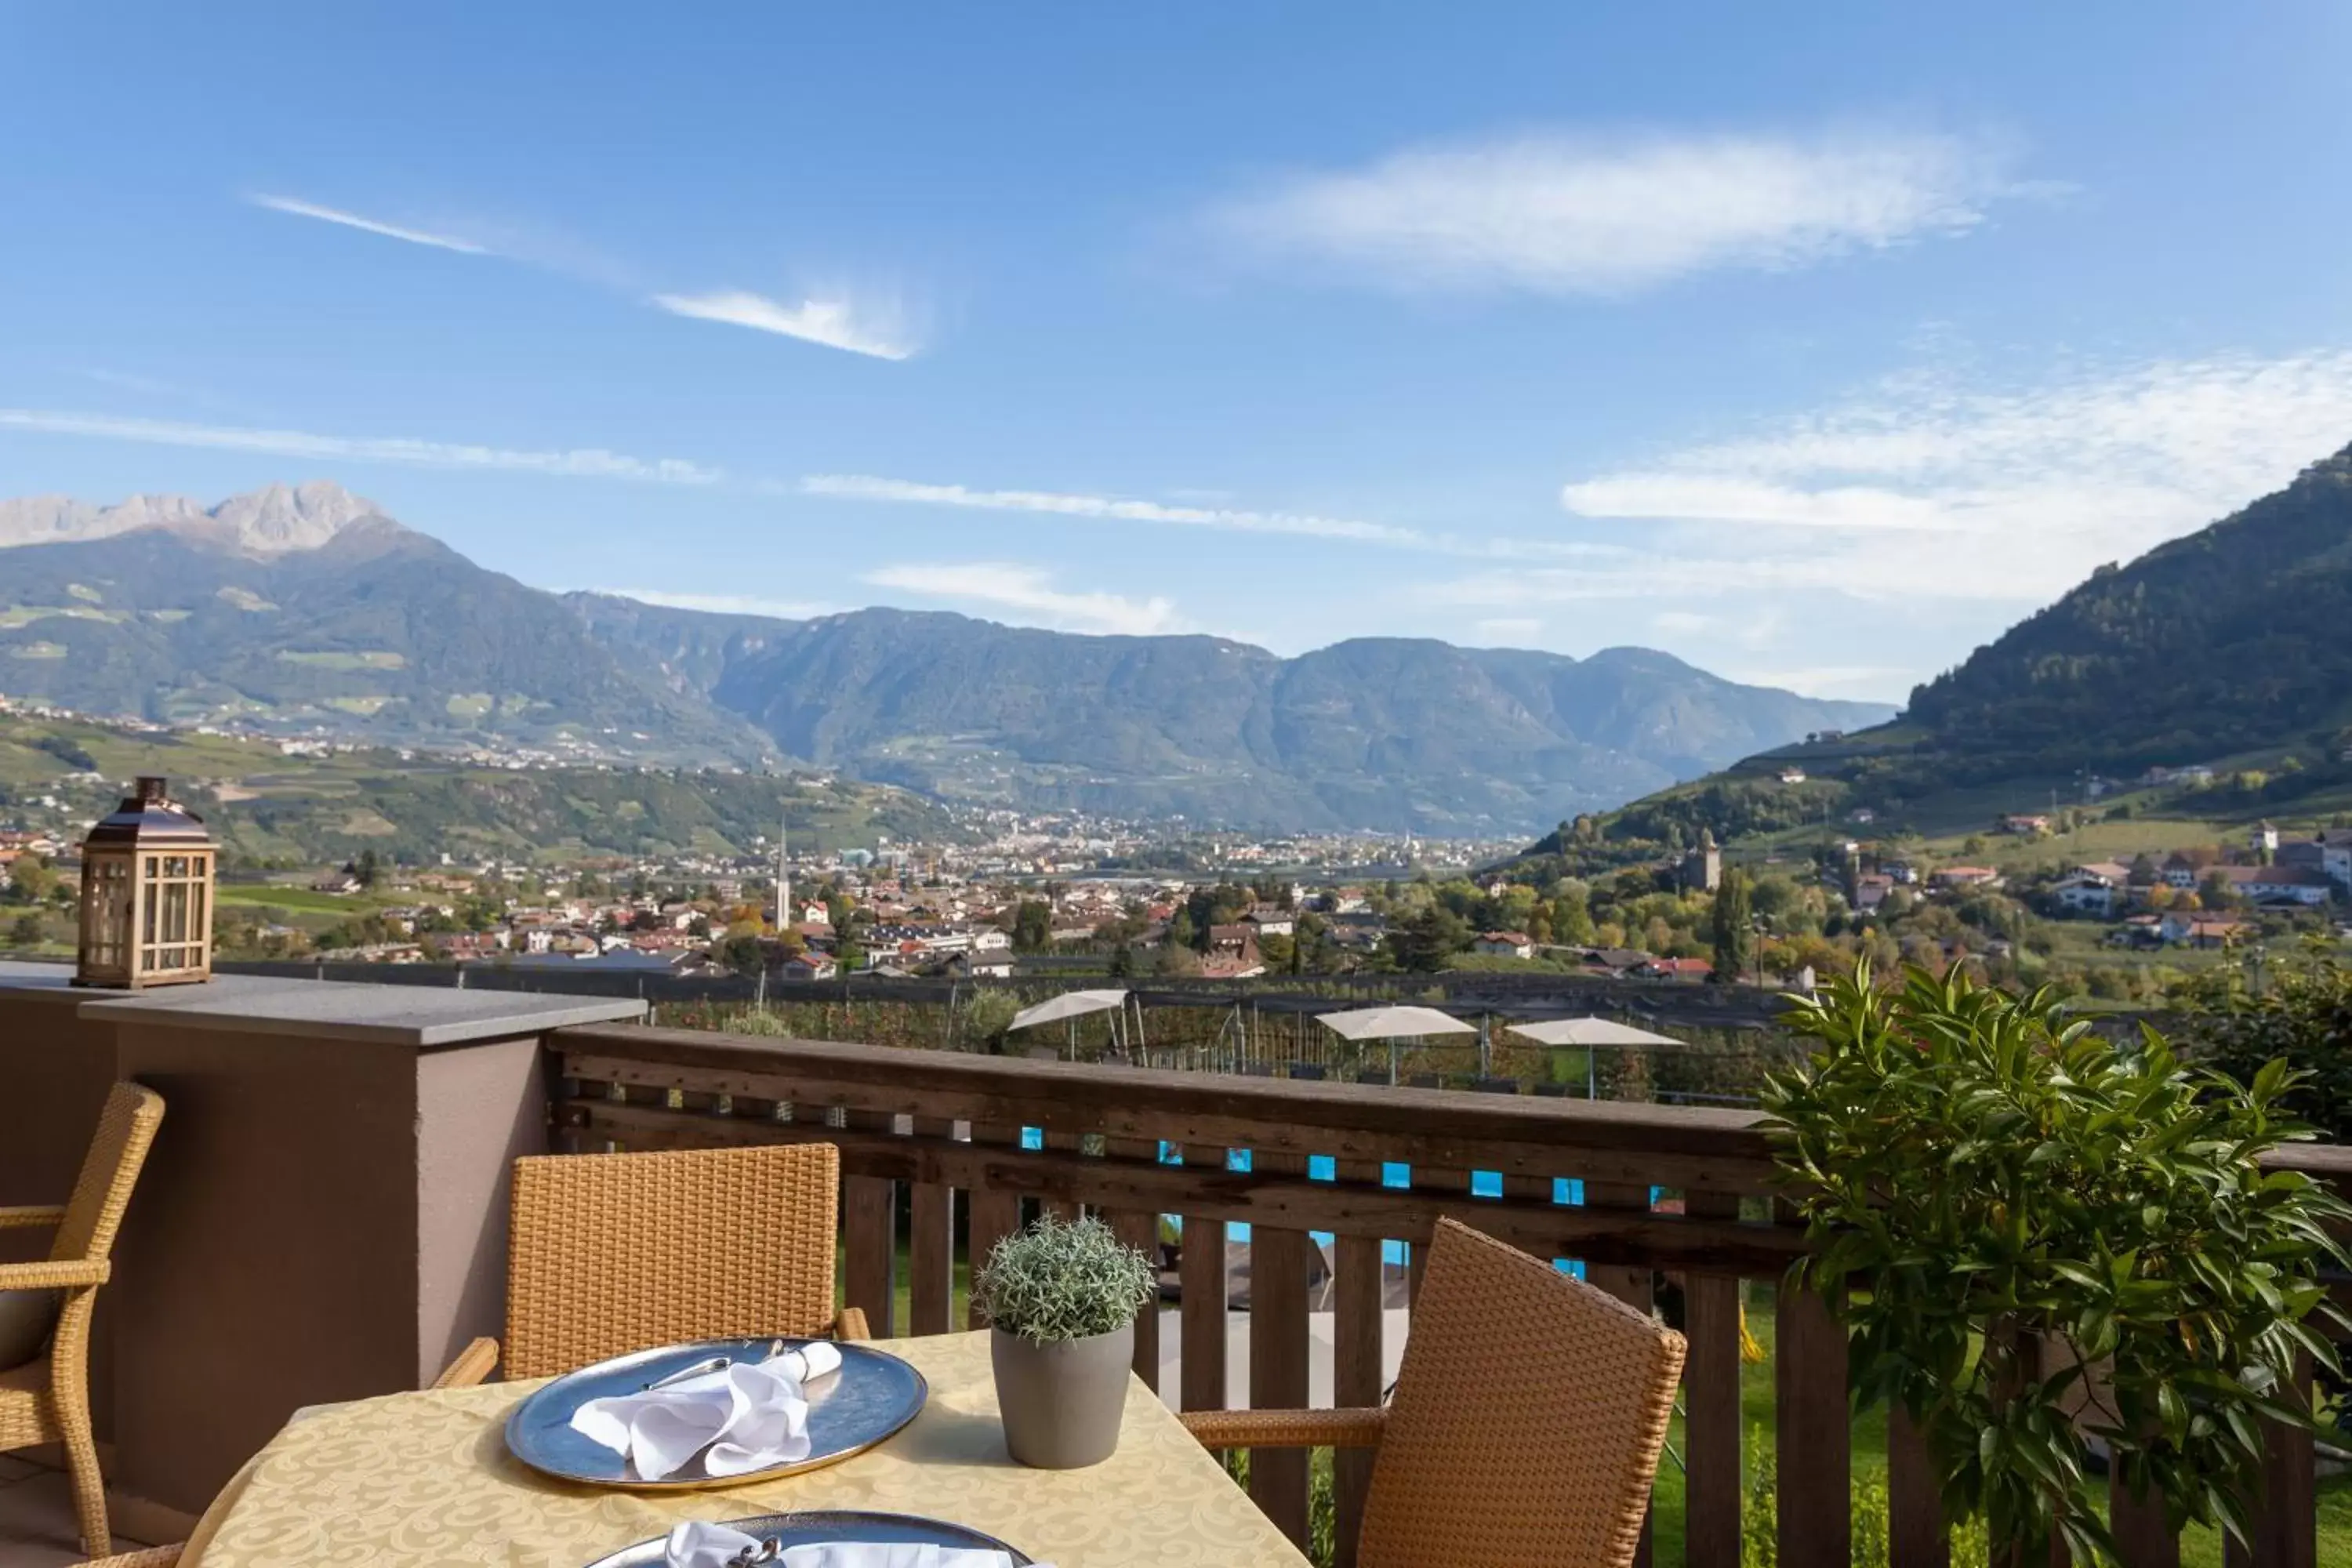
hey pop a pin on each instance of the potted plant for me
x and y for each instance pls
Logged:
(2043, 1242)
(1061, 1300)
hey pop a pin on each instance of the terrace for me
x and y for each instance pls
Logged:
(324, 1219)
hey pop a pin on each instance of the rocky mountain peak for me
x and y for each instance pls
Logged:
(277, 519)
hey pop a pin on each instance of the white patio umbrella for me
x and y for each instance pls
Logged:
(1393, 1023)
(1070, 1006)
(1588, 1033)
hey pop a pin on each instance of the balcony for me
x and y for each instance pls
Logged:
(324, 1219)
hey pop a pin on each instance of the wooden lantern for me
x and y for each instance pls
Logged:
(146, 895)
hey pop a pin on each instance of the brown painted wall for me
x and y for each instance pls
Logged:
(55, 1070)
(270, 1261)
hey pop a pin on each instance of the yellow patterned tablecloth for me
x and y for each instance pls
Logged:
(424, 1479)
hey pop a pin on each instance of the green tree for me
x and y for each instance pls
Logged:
(2299, 1009)
(1429, 940)
(1731, 924)
(30, 880)
(1033, 926)
(1572, 915)
(741, 954)
(367, 869)
(26, 930)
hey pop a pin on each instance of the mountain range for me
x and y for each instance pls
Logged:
(304, 609)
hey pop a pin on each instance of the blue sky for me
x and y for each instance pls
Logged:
(1813, 344)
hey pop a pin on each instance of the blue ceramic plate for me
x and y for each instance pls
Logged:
(808, 1528)
(872, 1397)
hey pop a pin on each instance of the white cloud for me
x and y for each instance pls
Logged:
(579, 463)
(1922, 489)
(1580, 213)
(865, 487)
(1732, 499)
(1507, 629)
(835, 323)
(726, 604)
(368, 225)
(1030, 593)
(1875, 682)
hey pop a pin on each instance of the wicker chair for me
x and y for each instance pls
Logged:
(1526, 1425)
(47, 1400)
(612, 1253)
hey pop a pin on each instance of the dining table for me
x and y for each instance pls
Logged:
(424, 1480)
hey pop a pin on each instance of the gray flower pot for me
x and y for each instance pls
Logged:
(1062, 1403)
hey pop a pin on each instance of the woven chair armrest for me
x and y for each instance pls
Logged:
(472, 1366)
(152, 1557)
(66, 1275)
(39, 1213)
(1287, 1429)
(851, 1324)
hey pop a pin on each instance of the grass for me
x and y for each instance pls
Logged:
(299, 900)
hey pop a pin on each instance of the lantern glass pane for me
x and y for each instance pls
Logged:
(106, 911)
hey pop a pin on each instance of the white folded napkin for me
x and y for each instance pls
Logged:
(745, 1416)
(700, 1545)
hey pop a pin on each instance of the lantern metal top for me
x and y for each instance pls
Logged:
(149, 816)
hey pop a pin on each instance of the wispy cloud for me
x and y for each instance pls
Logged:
(1029, 593)
(1560, 212)
(866, 487)
(577, 463)
(1924, 487)
(840, 321)
(368, 225)
(835, 323)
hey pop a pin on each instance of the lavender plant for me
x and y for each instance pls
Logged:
(1058, 1281)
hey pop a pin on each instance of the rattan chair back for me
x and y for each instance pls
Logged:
(613, 1253)
(126, 1131)
(1529, 1411)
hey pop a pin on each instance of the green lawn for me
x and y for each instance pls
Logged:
(301, 900)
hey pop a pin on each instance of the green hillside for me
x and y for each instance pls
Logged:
(269, 807)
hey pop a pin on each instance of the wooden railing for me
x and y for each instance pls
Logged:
(1665, 1191)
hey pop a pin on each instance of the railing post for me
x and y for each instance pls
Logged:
(1917, 1536)
(1711, 1426)
(1200, 1264)
(1358, 1363)
(1814, 1457)
(995, 1214)
(1634, 1287)
(2286, 1518)
(930, 1245)
(1278, 1330)
(1141, 1231)
(869, 1233)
